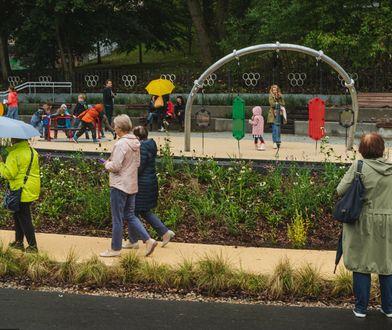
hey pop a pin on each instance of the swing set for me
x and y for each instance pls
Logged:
(316, 105)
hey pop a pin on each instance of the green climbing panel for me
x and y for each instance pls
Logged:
(238, 116)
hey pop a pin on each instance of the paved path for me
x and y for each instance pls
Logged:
(257, 260)
(221, 145)
(38, 310)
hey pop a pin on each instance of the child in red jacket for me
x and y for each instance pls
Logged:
(12, 103)
(88, 118)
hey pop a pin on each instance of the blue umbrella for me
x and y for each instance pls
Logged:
(11, 128)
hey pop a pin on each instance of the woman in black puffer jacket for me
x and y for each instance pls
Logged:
(147, 196)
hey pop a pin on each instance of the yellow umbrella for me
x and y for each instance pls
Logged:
(160, 87)
(1, 109)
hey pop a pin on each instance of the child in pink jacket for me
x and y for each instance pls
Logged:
(257, 123)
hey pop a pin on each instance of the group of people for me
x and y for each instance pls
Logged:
(277, 116)
(163, 111)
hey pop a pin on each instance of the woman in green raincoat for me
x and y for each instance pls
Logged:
(367, 243)
(19, 155)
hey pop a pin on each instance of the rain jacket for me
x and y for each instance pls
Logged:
(271, 113)
(12, 101)
(257, 122)
(367, 244)
(147, 196)
(15, 168)
(90, 115)
(123, 164)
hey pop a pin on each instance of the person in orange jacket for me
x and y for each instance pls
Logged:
(88, 117)
(12, 103)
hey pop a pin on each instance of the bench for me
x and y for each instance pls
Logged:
(375, 100)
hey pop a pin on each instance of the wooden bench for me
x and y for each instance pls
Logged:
(375, 100)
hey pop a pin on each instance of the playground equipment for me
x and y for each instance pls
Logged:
(316, 119)
(238, 115)
(235, 55)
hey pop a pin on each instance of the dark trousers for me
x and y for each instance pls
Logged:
(24, 225)
(109, 112)
(84, 127)
(361, 286)
(160, 117)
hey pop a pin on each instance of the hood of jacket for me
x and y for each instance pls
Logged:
(132, 141)
(256, 111)
(380, 165)
(150, 146)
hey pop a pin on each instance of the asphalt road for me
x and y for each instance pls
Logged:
(38, 310)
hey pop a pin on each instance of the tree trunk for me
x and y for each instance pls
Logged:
(201, 29)
(99, 60)
(63, 58)
(4, 58)
(140, 53)
(222, 7)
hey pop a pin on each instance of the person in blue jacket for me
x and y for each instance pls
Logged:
(147, 196)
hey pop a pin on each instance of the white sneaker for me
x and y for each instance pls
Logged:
(359, 314)
(275, 146)
(129, 245)
(162, 130)
(110, 253)
(386, 314)
(261, 147)
(166, 238)
(151, 244)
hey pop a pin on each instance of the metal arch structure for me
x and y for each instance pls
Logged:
(236, 54)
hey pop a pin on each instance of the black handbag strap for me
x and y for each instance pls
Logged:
(29, 168)
(359, 167)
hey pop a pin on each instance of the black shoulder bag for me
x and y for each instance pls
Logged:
(349, 207)
(12, 197)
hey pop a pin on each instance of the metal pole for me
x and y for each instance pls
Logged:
(270, 47)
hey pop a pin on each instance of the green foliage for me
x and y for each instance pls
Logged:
(342, 283)
(130, 263)
(281, 282)
(297, 231)
(9, 261)
(93, 272)
(308, 281)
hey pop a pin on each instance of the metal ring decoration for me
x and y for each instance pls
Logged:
(91, 80)
(297, 79)
(353, 76)
(129, 80)
(169, 76)
(210, 80)
(14, 80)
(251, 78)
(45, 78)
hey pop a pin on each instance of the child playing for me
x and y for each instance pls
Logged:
(257, 123)
(36, 120)
(88, 118)
(62, 123)
(79, 108)
(12, 103)
(46, 120)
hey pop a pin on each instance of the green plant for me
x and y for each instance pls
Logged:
(183, 275)
(298, 229)
(248, 282)
(9, 261)
(308, 281)
(154, 273)
(68, 269)
(342, 284)
(281, 282)
(93, 271)
(130, 263)
(213, 274)
(37, 266)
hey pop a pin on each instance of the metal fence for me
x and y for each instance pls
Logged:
(300, 79)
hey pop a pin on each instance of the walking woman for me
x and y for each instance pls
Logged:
(367, 243)
(277, 114)
(21, 170)
(122, 167)
(179, 110)
(147, 196)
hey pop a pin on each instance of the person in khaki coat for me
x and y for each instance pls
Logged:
(122, 166)
(367, 243)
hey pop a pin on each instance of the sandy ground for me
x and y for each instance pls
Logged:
(221, 145)
(258, 260)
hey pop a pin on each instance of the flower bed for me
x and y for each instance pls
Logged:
(204, 203)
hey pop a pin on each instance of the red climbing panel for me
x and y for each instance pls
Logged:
(316, 118)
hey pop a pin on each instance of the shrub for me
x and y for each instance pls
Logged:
(93, 271)
(37, 266)
(308, 281)
(9, 261)
(130, 263)
(183, 275)
(68, 269)
(151, 272)
(213, 274)
(250, 283)
(342, 284)
(297, 230)
(281, 282)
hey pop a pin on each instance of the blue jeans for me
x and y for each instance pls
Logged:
(39, 126)
(361, 286)
(123, 208)
(150, 118)
(13, 113)
(155, 223)
(276, 133)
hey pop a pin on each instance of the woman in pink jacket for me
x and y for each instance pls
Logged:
(12, 103)
(257, 123)
(123, 167)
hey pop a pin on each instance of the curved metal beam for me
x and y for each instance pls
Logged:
(236, 54)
